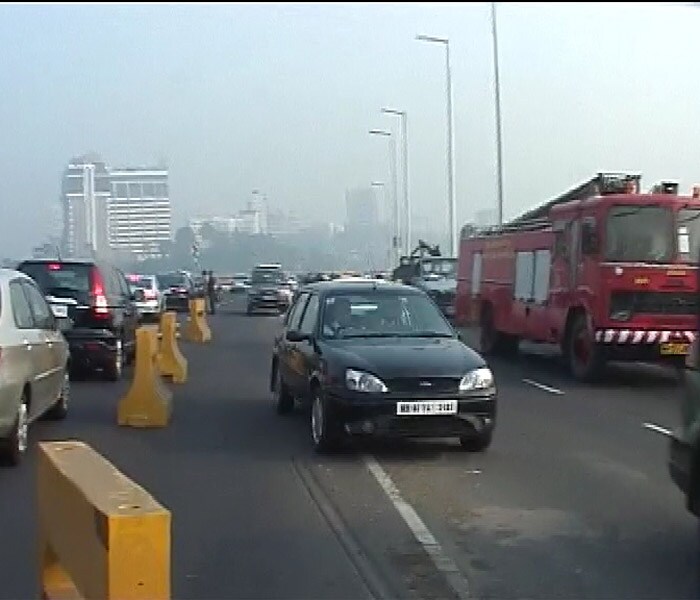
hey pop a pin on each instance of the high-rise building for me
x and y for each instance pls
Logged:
(140, 219)
(85, 194)
(362, 210)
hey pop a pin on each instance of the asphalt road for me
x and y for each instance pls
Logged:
(573, 499)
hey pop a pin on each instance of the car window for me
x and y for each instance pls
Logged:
(123, 285)
(40, 309)
(64, 280)
(294, 315)
(308, 321)
(21, 310)
(383, 314)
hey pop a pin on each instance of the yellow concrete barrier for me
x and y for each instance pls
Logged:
(148, 403)
(171, 362)
(196, 329)
(101, 536)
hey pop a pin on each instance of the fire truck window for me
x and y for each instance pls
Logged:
(543, 263)
(476, 273)
(524, 275)
(640, 233)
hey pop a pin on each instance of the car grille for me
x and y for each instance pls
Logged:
(417, 385)
(654, 303)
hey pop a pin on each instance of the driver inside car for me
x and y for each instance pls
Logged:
(339, 317)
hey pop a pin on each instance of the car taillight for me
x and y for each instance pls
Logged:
(149, 295)
(98, 293)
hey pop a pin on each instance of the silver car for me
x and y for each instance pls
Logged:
(33, 363)
(149, 299)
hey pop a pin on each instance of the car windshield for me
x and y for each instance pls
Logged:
(382, 314)
(141, 283)
(63, 280)
(640, 233)
(172, 280)
(442, 267)
(262, 276)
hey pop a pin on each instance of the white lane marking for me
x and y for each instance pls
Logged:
(442, 561)
(658, 429)
(544, 387)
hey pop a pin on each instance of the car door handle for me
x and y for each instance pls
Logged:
(28, 344)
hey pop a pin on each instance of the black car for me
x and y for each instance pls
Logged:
(95, 301)
(178, 289)
(268, 290)
(379, 358)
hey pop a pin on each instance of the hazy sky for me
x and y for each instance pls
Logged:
(281, 98)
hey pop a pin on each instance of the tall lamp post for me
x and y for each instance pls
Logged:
(452, 198)
(497, 95)
(392, 166)
(406, 198)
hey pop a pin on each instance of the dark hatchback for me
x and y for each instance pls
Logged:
(95, 309)
(178, 290)
(380, 359)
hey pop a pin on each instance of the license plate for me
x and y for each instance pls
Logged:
(60, 311)
(674, 349)
(427, 407)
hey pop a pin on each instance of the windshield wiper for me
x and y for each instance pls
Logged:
(429, 334)
(371, 334)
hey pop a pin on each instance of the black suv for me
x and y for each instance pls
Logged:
(98, 305)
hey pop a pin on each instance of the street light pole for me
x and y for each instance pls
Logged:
(395, 198)
(406, 197)
(451, 195)
(497, 94)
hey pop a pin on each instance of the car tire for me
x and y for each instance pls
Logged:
(59, 411)
(585, 357)
(284, 401)
(113, 371)
(477, 443)
(325, 428)
(12, 448)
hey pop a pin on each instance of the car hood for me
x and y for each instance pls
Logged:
(404, 357)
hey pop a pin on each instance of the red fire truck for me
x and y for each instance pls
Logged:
(604, 271)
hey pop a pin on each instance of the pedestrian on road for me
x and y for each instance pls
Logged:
(211, 292)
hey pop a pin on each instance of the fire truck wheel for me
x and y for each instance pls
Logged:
(492, 341)
(585, 357)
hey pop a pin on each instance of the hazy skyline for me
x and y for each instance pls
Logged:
(281, 98)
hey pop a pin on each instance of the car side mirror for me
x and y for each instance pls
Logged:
(297, 336)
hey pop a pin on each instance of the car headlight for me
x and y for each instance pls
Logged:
(359, 381)
(478, 379)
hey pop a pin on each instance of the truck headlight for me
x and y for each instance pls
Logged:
(478, 379)
(359, 381)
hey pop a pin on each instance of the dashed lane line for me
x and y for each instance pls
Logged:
(658, 429)
(542, 386)
(423, 535)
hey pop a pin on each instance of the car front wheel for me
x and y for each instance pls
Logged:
(325, 428)
(284, 401)
(477, 443)
(15, 445)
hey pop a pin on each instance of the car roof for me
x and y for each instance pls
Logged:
(359, 285)
(7, 275)
(60, 261)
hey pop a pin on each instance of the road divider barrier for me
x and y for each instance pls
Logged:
(196, 328)
(171, 362)
(148, 403)
(101, 536)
